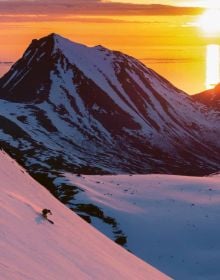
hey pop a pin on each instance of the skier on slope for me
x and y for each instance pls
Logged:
(45, 212)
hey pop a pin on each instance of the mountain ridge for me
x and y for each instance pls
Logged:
(210, 98)
(104, 111)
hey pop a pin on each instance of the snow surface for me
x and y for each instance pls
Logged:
(172, 222)
(33, 249)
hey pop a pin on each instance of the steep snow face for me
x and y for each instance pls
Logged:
(171, 222)
(95, 110)
(32, 248)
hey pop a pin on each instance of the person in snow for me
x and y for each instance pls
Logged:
(45, 212)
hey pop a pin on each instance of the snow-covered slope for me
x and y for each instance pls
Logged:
(210, 98)
(89, 109)
(33, 249)
(172, 222)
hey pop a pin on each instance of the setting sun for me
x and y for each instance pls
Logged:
(214, 4)
(209, 21)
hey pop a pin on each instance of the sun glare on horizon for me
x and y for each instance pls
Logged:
(210, 22)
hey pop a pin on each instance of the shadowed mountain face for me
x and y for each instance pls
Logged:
(68, 107)
(210, 98)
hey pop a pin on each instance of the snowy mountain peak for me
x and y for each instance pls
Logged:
(62, 43)
(53, 56)
(56, 40)
(30, 79)
(105, 104)
(210, 98)
(58, 44)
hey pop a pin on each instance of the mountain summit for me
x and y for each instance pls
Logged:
(67, 106)
(210, 97)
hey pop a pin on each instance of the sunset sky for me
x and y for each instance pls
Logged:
(168, 39)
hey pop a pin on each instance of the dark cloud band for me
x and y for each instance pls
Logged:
(90, 7)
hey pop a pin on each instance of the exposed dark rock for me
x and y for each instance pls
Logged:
(86, 218)
(121, 240)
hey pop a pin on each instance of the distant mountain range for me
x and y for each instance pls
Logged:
(69, 107)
